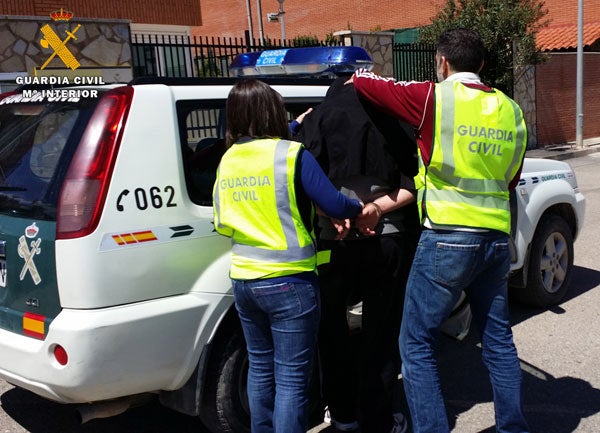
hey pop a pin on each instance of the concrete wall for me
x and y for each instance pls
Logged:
(379, 45)
(524, 95)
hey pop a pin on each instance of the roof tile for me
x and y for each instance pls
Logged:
(565, 36)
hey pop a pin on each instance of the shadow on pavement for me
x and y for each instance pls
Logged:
(582, 281)
(38, 415)
(551, 404)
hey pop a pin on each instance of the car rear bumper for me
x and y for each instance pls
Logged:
(115, 351)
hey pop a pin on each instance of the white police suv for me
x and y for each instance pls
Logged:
(113, 281)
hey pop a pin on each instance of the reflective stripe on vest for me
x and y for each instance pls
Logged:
(294, 249)
(476, 153)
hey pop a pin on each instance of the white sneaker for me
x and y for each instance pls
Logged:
(356, 309)
(400, 423)
(341, 426)
(327, 416)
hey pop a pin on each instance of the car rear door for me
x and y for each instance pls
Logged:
(37, 141)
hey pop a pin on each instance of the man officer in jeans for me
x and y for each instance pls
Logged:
(471, 140)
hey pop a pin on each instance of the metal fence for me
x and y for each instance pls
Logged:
(197, 56)
(414, 62)
(204, 56)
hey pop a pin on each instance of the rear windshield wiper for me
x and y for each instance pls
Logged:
(35, 210)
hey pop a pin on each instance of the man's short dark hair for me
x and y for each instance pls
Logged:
(462, 48)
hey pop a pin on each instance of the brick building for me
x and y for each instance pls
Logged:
(145, 17)
(319, 18)
(180, 13)
(555, 83)
(553, 87)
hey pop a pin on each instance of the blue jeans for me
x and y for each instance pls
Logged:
(445, 264)
(280, 323)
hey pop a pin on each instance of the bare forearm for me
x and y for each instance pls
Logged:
(395, 200)
(373, 211)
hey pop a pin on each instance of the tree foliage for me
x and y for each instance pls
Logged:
(508, 29)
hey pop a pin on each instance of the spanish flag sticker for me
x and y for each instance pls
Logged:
(135, 237)
(34, 325)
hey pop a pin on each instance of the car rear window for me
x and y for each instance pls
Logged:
(37, 142)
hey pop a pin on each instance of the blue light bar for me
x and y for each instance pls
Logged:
(308, 61)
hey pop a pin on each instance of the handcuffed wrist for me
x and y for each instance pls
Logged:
(377, 208)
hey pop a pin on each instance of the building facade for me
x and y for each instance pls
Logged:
(105, 42)
(318, 18)
(180, 12)
(547, 91)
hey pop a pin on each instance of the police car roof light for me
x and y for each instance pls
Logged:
(307, 61)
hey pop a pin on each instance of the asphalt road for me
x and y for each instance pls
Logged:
(559, 348)
(559, 351)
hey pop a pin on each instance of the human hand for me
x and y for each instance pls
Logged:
(301, 117)
(342, 227)
(368, 219)
(350, 80)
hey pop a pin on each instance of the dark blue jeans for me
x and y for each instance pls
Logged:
(280, 323)
(445, 264)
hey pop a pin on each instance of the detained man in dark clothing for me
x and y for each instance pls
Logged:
(358, 148)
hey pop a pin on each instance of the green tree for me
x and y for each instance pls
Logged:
(508, 29)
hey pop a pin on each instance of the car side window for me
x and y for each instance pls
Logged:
(202, 134)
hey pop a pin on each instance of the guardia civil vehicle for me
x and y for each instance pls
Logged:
(113, 282)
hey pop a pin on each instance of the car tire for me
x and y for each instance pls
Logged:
(232, 397)
(226, 408)
(225, 403)
(550, 263)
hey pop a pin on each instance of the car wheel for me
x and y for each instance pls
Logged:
(232, 389)
(550, 263)
(227, 390)
(225, 404)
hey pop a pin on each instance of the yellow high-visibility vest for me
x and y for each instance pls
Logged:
(479, 141)
(255, 204)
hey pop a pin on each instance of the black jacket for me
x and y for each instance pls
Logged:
(365, 152)
(350, 137)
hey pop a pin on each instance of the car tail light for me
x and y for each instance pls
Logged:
(84, 189)
(60, 354)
